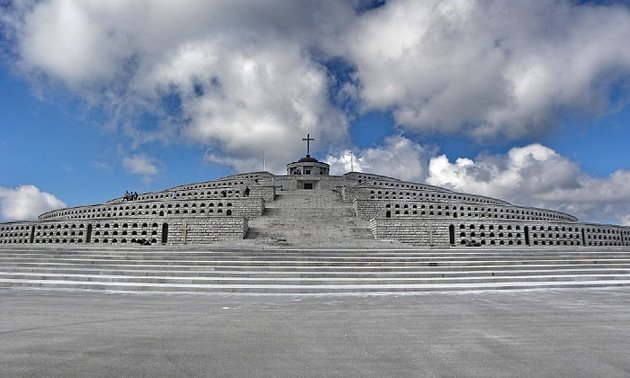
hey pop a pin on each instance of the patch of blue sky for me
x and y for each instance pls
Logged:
(599, 145)
(370, 129)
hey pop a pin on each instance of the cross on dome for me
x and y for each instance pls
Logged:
(308, 140)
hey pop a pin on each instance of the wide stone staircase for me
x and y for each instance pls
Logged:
(282, 270)
(312, 218)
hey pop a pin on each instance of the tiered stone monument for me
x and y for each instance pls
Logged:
(308, 206)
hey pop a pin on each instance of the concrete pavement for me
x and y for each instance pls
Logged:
(522, 333)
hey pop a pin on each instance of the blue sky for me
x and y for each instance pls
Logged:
(523, 101)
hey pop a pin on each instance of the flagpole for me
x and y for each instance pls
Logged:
(351, 162)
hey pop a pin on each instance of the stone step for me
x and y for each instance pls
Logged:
(307, 271)
(302, 253)
(294, 281)
(271, 256)
(209, 273)
(322, 289)
(174, 266)
(315, 260)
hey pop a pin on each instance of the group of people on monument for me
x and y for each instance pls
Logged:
(245, 192)
(130, 196)
(133, 196)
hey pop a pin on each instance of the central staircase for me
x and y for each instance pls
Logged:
(281, 270)
(312, 218)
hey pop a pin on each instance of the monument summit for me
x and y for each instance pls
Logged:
(310, 207)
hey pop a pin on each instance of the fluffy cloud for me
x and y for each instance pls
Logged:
(26, 202)
(238, 78)
(398, 157)
(488, 68)
(534, 169)
(140, 165)
(249, 102)
(246, 78)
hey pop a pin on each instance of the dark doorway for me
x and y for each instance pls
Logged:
(164, 233)
(308, 185)
(526, 235)
(88, 234)
(451, 234)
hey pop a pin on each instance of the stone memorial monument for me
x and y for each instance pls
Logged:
(308, 206)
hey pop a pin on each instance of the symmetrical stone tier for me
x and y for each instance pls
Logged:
(374, 206)
(368, 209)
(242, 207)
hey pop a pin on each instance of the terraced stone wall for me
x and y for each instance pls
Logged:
(364, 192)
(16, 232)
(242, 207)
(441, 233)
(195, 230)
(368, 209)
(204, 231)
(368, 179)
(221, 183)
(251, 176)
(429, 234)
(256, 191)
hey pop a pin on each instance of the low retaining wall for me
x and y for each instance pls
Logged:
(443, 233)
(173, 231)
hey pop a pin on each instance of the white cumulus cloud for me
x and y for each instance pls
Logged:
(141, 165)
(488, 68)
(240, 78)
(397, 157)
(245, 79)
(26, 202)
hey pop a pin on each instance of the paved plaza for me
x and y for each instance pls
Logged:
(572, 333)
